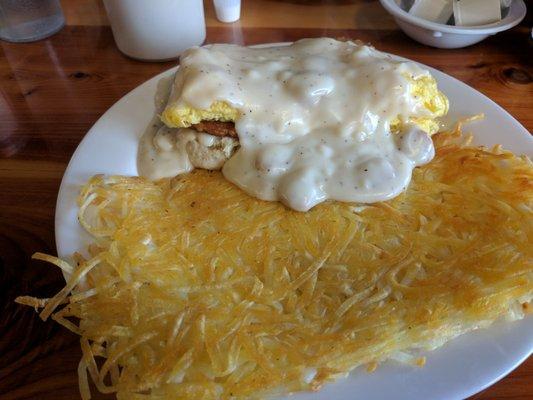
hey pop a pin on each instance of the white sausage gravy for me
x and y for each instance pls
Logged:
(314, 121)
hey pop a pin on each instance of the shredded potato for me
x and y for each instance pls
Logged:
(196, 290)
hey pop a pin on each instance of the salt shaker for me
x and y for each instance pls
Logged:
(227, 10)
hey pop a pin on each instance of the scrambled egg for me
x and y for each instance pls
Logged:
(184, 117)
(424, 89)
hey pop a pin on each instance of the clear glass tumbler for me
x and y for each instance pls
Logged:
(29, 20)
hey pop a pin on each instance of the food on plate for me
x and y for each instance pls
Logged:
(319, 119)
(201, 286)
(195, 290)
(216, 128)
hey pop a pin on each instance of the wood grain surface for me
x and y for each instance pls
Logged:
(53, 91)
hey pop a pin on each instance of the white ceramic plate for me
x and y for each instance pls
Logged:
(455, 371)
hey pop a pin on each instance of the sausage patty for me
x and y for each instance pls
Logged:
(217, 128)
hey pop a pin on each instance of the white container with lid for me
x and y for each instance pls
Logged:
(450, 36)
(156, 30)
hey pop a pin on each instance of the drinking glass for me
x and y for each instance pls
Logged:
(29, 20)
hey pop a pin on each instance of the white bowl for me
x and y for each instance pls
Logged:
(450, 36)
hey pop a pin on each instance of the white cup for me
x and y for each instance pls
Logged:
(156, 30)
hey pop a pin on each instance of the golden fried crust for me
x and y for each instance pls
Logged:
(217, 128)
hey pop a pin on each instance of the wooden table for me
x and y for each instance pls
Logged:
(52, 91)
